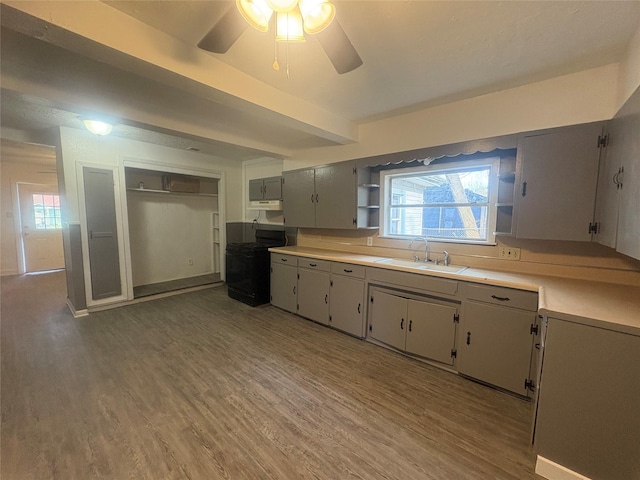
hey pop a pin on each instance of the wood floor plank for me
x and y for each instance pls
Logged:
(199, 386)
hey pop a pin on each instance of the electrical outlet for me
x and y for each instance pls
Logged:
(191, 262)
(369, 241)
(509, 253)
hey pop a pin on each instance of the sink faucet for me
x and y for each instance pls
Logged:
(446, 258)
(426, 248)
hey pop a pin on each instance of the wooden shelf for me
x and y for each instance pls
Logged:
(369, 206)
(508, 176)
(369, 185)
(504, 205)
(150, 190)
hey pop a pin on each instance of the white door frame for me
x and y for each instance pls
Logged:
(82, 209)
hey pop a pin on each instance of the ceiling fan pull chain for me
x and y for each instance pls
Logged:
(276, 65)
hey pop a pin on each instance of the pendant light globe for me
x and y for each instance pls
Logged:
(257, 13)
(317, 14)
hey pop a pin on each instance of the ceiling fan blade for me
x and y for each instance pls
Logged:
(224, 33)
(338, 48)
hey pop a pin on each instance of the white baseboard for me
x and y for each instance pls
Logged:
(553, 471)
(77, 313)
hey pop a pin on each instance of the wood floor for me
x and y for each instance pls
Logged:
(199, 386)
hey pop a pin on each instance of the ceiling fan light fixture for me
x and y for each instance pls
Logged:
(256, 12)
(317, 14)
(289, 27)
(97, 127)
(282, 6)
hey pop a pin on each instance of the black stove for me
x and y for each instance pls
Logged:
(248, 267)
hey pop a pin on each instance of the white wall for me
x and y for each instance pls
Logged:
(581, 97)
(629, 74)
(166, 231)
(12, 172)
(81, 147)
(260, 168)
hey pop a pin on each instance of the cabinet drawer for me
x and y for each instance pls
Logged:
(506, 297)
(284, 259)
(413, 281)
(347, 269)
(322, 265)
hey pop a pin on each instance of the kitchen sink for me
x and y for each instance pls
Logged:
(421, 265)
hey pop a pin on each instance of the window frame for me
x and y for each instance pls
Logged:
(492, 162)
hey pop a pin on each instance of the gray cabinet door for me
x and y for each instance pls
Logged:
(256, 189)
(346, 305)
(102, 229)
(431, 331)
(560, 170)
(388, 319)
(494, 345)
(272, 188)
(298, 199)
(313, 295)
(336, 195)
(284, 286)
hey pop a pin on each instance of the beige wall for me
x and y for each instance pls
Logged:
(629, 74)
(13, 170)
(570, 99)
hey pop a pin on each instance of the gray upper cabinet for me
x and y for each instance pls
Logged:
(557, 183)
(619, 183)
(327, 197)
(265, 189)
(298, 198)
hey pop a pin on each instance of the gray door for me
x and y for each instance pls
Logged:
(494, 345)
(256, 189)
(389, 319)
(313, 295)
(347, 305)
(336, 193)
(272, 188)
(104, 260)
(298, 199)
(559, 205)
(284, 285)
(431, 331)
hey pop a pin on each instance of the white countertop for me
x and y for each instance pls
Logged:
(599, 304)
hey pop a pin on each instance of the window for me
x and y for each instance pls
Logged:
(46, 211)
(442, 202)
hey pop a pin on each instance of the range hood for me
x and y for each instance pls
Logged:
(265, 205)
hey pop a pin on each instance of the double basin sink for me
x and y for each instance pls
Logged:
(421, 265)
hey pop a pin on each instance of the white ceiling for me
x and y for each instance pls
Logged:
(416, 54)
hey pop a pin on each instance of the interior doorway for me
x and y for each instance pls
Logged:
(40, 227)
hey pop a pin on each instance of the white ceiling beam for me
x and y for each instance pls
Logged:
(94, 29)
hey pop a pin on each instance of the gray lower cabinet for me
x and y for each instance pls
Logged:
(588, 410)
(284, 282)
(346, 303)
(495, 344)
(419, 327)
(313, 290)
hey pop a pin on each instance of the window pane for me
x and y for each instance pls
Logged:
(449, 204)
(46, 211)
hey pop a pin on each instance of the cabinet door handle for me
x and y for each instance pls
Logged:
(358, 308)
(410, 323)
(468, 338)
(348, 271)
(283, 259)
(312, 198)
(524, 189)
(326, 299)
(501, 299)
(316, 198)
(313, 264)
(402, 324)
(294, 289)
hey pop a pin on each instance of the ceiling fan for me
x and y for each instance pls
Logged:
(292, 17)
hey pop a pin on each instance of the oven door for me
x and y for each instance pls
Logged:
(239, 270)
